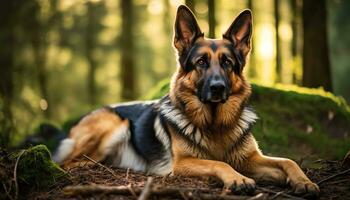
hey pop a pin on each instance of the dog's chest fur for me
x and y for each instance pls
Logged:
(220, 143)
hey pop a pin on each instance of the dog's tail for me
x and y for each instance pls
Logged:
(65, 148)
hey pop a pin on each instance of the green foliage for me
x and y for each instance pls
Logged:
(158, 91)
(36, 169)
(295, 121)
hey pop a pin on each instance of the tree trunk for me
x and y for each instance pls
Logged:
(252, 69)
(127, 51)
(316, 64)
(168, 30)
(89, 48)
(211, 18)
(191, 4)
(38, 40)
(7, 11)
(296, 42)
(278, 47)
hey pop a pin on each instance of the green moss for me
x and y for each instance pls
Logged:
(36, 170)
(295, 121)
(298, 121)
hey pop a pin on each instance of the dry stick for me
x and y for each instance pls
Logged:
(99, 164)
(277, 195)
(147, 190)
(15, 173)
(183, 195)
(335, 175)
(280, 193)
(131, 190)
(95, 189)
(260, 196)
(7, 192)
(127, 174)
(224, 197)
(157, 190)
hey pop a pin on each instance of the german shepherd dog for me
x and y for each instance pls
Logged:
(201, 128)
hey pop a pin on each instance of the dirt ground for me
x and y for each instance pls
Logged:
(125, 184)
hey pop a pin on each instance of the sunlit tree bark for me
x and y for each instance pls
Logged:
(252, 69)
(191, 4)
(296, 40)
(278, 47)
(316, 64)
(168, 30)
(211, 18)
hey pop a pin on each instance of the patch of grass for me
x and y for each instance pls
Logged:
(295, 121)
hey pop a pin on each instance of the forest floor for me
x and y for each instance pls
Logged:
(101, 182)
(297, 123)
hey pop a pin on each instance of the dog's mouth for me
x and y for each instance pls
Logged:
(214, 98)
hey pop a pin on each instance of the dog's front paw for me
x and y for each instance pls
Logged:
(306, 188)
(243, 185)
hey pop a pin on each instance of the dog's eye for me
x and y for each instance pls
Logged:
(227, 62)
(201, 62)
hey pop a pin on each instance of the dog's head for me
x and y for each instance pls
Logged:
(211, 68)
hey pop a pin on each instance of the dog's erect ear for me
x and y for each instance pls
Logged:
(186, 29)
(240, 32)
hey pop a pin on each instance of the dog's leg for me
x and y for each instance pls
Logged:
(96, 136)
(280, 170)
(189, 166)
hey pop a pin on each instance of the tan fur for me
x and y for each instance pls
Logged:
(92, 134)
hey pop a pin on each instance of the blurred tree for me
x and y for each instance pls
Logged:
(89, 49)
(168, 30)
(7, 21)
(278, 48)
(296, 47)
(339, 41)
(316, 64)
(128, 91)
(252, 69)
(39, 26)
(211, 18)
(191, 4)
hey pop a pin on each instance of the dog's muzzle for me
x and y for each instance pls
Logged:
(217, 91)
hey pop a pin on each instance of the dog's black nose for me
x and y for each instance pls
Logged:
(217, 86)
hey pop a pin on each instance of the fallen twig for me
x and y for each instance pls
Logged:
(147, 190)
(15, 174)
(223, 197)
(260, 196)
(277, 195)
(335, 175)
(127, 174)
(99, 164)
(7, 191)
(96, 189)
(280, 193)
(131, 190)
(156, 190)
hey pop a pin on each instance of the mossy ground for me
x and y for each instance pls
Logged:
(35, 171)
(35, 168)
(295, 122)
